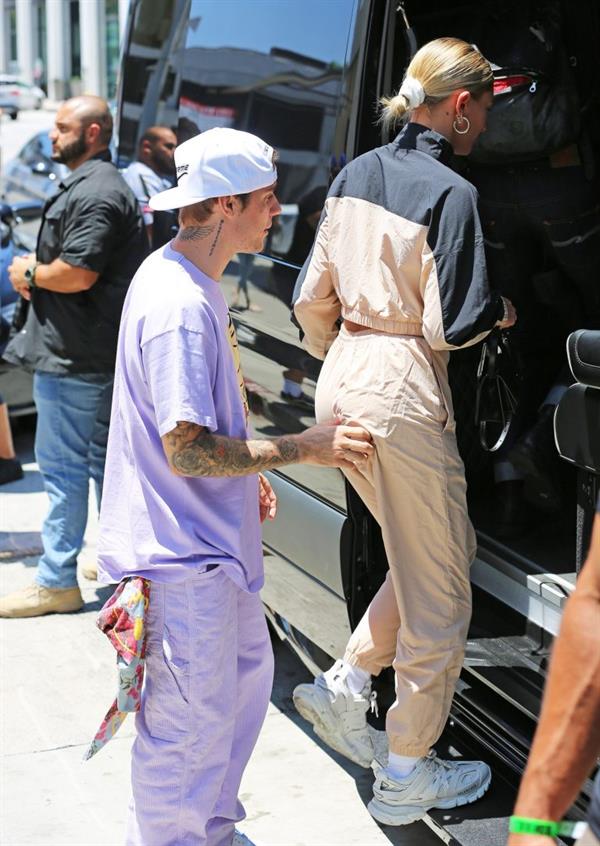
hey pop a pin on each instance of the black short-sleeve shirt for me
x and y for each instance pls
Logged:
(93, 222)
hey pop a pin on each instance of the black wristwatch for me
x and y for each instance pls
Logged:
(30, 274)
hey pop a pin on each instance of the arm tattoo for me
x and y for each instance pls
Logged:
(216, 238)
(195, 233)
(194, 451)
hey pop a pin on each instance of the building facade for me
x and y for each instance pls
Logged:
(67, 47)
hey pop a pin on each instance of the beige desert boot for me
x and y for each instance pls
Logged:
(36, 600)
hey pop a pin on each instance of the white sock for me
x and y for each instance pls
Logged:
(401, 766)
(291, 387)
(356, 678)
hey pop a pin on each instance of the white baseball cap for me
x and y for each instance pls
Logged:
(217, 163)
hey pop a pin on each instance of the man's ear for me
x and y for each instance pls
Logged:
(228, 206)
(92, 132)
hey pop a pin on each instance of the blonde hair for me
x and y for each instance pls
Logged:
(441, 66)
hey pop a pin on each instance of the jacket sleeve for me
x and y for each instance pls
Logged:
(317, 307)
(459, 309)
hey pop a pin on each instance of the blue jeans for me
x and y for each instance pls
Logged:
(70, 448)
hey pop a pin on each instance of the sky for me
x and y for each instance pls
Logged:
(315, 28)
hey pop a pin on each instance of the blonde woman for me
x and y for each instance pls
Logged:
(399, 258)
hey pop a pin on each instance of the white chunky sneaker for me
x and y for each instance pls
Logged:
(339, 717)
(432, 784)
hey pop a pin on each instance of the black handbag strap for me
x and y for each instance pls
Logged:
(496, 351)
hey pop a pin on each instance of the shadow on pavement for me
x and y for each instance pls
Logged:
(20, 546)
(103, 593)
(30, 483)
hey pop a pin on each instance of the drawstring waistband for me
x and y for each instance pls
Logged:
(369, 331)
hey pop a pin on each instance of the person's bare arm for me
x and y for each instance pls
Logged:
(58, 276)
(567, 740)
(193, 450)
(64, 278)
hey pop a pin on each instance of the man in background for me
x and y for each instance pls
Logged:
(154, 171)
(90, 243)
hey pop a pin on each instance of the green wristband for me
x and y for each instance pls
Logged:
(548, 828)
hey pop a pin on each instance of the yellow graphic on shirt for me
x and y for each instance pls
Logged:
(235, 351)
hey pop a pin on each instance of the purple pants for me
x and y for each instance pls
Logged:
(209, 672)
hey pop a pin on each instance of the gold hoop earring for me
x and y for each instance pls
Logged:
(462, 120)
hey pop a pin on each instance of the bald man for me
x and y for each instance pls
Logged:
(154, 171)
(90, 243)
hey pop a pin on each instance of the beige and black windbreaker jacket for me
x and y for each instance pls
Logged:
(399, 249)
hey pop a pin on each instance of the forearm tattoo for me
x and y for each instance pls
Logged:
(194, 451)
(195, 233)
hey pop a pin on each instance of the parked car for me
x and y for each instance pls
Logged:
(32, 174)
(8, 106)
(23, 94)
(16, 385)
(27, 181)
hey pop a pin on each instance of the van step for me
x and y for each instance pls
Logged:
(498, 700)
(485, 821)
(513, 667)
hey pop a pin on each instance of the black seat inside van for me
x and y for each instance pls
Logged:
(577, 427)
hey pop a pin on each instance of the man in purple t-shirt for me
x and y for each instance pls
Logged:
(184, 498)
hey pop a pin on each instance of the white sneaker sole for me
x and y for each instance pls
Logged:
(388, 814)
(313, 706)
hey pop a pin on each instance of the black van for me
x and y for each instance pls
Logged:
(306, 75)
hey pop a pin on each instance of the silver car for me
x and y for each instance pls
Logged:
(19, 94)
(32, 174)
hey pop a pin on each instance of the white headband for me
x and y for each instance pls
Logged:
(413, 91)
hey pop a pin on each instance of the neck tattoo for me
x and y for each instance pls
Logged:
(216, 238)
(195, 233)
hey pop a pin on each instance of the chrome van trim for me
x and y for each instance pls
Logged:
(306, 604)
(308, 533)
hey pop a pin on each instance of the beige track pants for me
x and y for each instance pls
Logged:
(415, 488)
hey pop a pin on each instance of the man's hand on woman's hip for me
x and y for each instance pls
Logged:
(336, 444)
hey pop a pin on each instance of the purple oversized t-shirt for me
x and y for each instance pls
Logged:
(174, 363)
